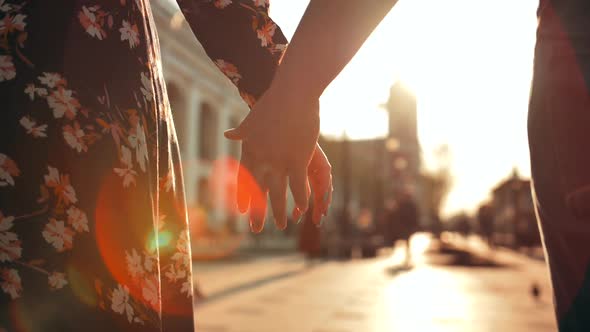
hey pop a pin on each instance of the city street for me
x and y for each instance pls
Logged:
(463, 288)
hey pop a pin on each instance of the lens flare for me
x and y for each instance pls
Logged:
(119, 228)
(161, 241)
(81, 286)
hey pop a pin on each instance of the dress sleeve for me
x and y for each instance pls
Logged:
(240, 38)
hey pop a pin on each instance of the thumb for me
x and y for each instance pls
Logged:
(240, 132)
(235, 134)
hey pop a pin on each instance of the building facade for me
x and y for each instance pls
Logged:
(514, 221)
(369, 175)
(204, 104)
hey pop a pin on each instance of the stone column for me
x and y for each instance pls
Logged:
(190, 157)
(223, 122)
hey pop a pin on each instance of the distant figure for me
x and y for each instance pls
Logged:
(390, 224)
(485, 217)
(407, 215)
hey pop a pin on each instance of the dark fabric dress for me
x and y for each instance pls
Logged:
(93, 227)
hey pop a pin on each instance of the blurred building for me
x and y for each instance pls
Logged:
(369, 173)
(514, 223)
(204, 104)
(402, 146)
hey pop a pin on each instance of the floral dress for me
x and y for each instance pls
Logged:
(93, 224)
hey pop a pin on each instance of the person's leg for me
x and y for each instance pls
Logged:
(559, 130)
(408, 252)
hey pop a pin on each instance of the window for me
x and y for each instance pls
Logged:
(204, 193)
(207, 133)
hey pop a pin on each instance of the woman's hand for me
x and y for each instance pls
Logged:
(279, 138)
(319, 173)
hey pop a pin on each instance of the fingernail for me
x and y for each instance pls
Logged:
(256, 226)
(281, 225)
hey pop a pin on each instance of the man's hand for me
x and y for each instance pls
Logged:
(279, 138)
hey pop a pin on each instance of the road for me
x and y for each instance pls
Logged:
(448, 291)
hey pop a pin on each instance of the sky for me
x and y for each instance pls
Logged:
(469, 63)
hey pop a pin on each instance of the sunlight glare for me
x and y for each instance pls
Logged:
(470, 65)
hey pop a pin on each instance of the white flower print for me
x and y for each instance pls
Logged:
(182, 259)
(187, 287)
(229, 70)
(57, 280)
(74, 136)
(120, 302)
(78, 219)
(92, 19)
(7, 69)
(181, 267)
(279, 47)
(138, 141)
(12, 23)
(149, 262)
(59, 235)
(11, 283)
(266, 33)
(146, 89)
(61, 186)
(4, 7)
(150, 291)
(173, 274)
(167, 181)
(32, 90)
(10, 246)
(160, 222)
(222, 3)
(134, 266)
(129, 33)
(8, 169)
(62, 102)
(52, 80)
(32, 128)
(127, 172)
(260, 3)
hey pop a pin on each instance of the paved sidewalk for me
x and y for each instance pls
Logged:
(379, 295)
(221, 279)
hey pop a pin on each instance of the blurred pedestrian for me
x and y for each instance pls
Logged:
(390, 226)
(407, 218)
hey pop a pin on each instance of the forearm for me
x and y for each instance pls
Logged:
(329, 35)
(240, 38)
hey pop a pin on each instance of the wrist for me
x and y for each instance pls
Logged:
(296, 84)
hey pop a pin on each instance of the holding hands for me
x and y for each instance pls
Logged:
(279, 147)
(279, 136)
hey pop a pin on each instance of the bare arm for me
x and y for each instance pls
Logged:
(329, 35)
(280, 133)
